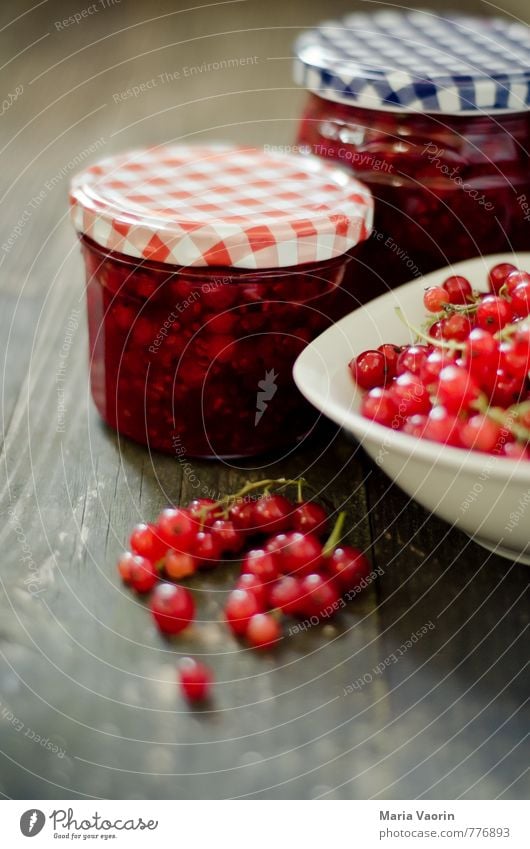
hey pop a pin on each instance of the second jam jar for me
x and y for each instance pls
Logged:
(208, 271)
(432, 114)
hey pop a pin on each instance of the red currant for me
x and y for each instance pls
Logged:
(410, 395)
(195, 680)
(206, 549)
(176, 528)
(263, 631)
(514, 359)
(459, 290)
(480, 433)
(435, 298)
(145, 541)
(521, 299)
(240, 606)
(435, 362)
(369, 369)
(242, 516)
(498, 275)
(442, 426)
(286, 594)
(310, 517)
(178, 565)
(196, 508)
(481, 351)
(124, 566)
(349, 567)
(492, 313)
(456, 389)
(415, 426)
(252, 583)
(263, 564)
(297, 553)
(436, 329)
(319, 596)
(514, 279)
(172, 608)
(516, 451)
(391, 354)
(229, 540)
(457, 327)
(379, 405)
(143, 575)
(273, 513)
(507, 389)
(412, 358)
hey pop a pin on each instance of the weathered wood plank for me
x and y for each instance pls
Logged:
(465, 678)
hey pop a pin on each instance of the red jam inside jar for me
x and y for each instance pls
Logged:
(447, 185)
(197, 360)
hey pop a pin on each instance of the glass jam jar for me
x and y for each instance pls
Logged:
(432, 114)
(208, 271)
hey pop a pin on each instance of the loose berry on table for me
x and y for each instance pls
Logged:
(196, 680)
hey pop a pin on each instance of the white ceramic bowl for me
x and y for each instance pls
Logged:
(486, 496)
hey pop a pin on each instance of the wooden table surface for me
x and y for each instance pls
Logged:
(88, 702)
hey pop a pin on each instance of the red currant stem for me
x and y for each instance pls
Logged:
(298, 482)
(335, 536)
(448, 310)
(509, 329)
(460, 308)
(450, 344)
(276, 613)
(504, 418)
(250, 486)
(523, 407)
(299, 496)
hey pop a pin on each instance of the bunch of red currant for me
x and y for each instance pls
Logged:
(466, 382)
(286, 568)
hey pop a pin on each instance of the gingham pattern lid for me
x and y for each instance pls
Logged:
(221, 206)
(418, 61)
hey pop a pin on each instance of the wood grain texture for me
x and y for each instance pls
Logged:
(80, 664)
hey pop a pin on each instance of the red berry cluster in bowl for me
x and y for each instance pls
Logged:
(465, 382)
(287, 569)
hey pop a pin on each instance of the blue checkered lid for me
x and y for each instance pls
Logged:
(418, 61)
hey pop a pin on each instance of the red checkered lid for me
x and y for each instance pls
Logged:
(221, 206)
